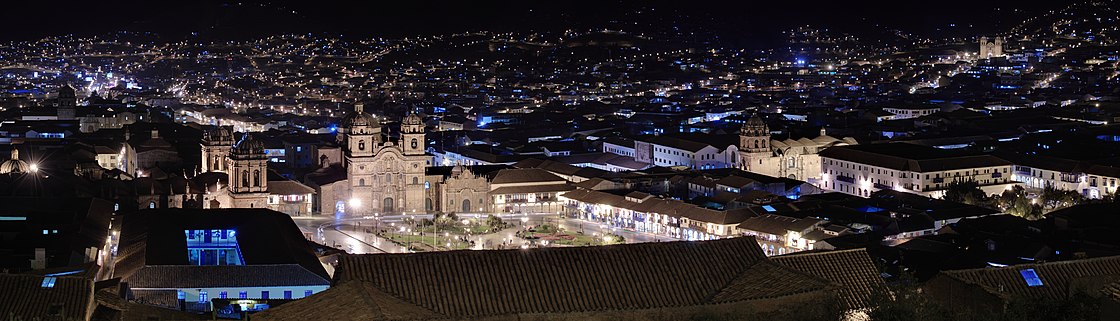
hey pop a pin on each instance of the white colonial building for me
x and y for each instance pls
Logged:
(863, 169)
(797, 159)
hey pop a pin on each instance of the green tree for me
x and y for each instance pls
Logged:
(967, 192)
(494, 222)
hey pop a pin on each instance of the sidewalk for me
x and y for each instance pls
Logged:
(375, 242)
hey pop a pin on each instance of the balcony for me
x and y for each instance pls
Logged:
(846, 179)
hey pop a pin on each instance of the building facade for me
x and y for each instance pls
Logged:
(796, 159)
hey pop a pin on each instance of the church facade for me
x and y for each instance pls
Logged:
(374, 175)
(797, 159)
(385, 177)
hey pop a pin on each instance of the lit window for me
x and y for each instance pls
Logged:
(307, 293)
(202, 297)
(264, 294)
(213, 247)
(242, 295)
(1031, 277)
(48, 282)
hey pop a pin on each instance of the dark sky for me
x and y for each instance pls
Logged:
(236, 19)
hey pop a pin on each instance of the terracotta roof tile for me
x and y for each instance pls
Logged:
(461, 284)
(852, 271)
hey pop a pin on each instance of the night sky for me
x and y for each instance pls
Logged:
(735, 21)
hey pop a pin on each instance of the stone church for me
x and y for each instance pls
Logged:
(244, 162)
(790, 158)
(376, 175)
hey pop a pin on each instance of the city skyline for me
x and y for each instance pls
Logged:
(500, 160)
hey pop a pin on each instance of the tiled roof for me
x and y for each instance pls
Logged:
(24, 298)
(777, 224)
(527, 175)
(288, 188)
(461, 284)
(361, 301)
(852, 271)
(156, 238)
(910, 157)
(1056, 277)
(532, 189)
(192, 276)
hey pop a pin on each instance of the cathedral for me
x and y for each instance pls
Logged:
(376, 175)
(790, 158)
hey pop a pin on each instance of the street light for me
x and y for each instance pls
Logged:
(34, 168)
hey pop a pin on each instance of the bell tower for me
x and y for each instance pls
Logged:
(412, 135)
(248, 179)
(361, 133)
(216, 146)
(754, 142)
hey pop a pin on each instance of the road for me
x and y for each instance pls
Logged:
(350, 234)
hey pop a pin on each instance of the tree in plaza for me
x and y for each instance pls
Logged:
(446, 219)
(1015, 202)
(494, 222)
(967, 192)
(1054, 198)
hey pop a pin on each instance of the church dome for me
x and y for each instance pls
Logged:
(755, 121)
(218, 134)
(14, 165)
(413, 119)
(359, 118)
(248, 146)
(67, 92)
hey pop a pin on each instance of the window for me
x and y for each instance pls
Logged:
(287, 294)
(256, 177)
(361, 145)
(202, 297)
(213, 247)
(222, 295)
(264, 294)
(48, 282)
(1031, 277)
(307, 293)
(414, 143)
(244, 178)
(415, 181)
(299, 149)
(242, 295)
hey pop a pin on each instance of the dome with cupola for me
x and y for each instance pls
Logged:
(14, 165)
(248, 146)
(359, 118)
(413, 119)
